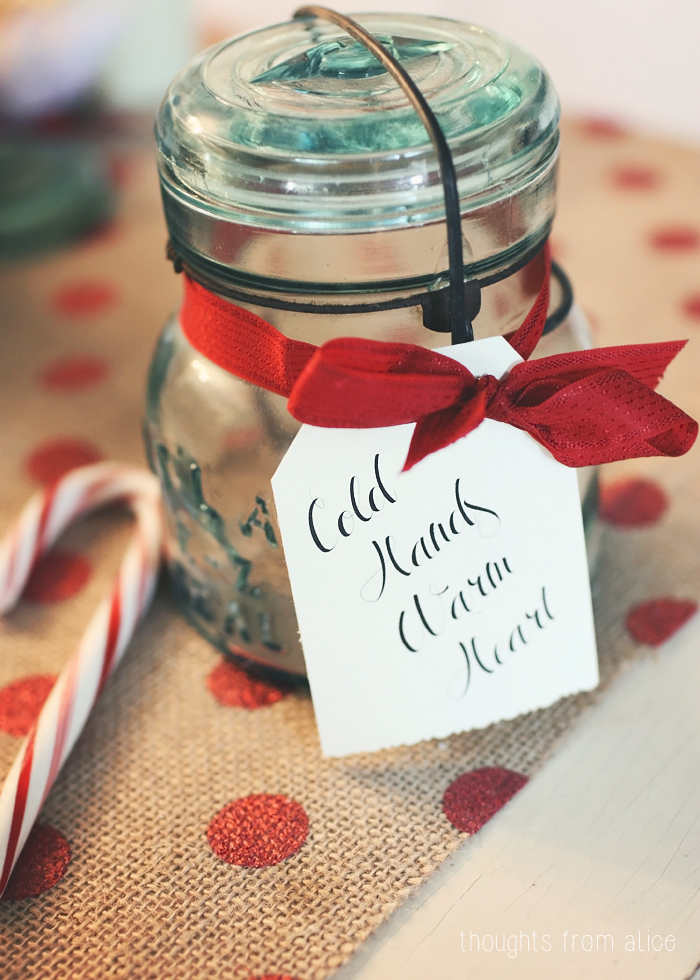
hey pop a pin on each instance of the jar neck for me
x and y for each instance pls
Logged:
(498, 238)
(495, 304)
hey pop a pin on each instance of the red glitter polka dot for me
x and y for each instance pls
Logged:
(43, 862)
(274, 976)
(57, 576)
(476, 796)
(691, 307)
(601, 128)
(235, 688)
(74, 373)
(22, 700)
(632, 503)
(84, 299)
(655, 621)
(103, 235)
(635, 178)
(675, 239)
(120, 170)
(52, 460)
(258, 831)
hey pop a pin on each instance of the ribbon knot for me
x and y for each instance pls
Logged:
(588, 407)
(352, 383)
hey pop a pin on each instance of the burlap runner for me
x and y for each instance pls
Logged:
(144, 896)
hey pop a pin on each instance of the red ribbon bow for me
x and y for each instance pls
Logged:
(586, 407)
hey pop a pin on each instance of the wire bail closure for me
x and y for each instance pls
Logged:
(460, 325)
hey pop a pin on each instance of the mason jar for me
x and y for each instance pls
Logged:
(299, 183)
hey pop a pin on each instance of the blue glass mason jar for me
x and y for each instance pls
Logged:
(299, 183)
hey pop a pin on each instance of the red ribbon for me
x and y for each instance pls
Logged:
(586, 407)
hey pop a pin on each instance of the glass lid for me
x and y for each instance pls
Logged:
(297, 126)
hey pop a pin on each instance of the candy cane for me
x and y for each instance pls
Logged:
(65, 711)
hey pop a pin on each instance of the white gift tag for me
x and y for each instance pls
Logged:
(441, 599)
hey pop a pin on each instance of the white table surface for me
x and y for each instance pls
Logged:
(604, 840)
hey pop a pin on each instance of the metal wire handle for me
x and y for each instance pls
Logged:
(461, 327)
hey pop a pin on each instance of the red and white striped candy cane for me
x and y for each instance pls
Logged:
(66, 710)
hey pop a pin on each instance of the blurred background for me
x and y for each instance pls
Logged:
(81, 78)
(631, 60)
